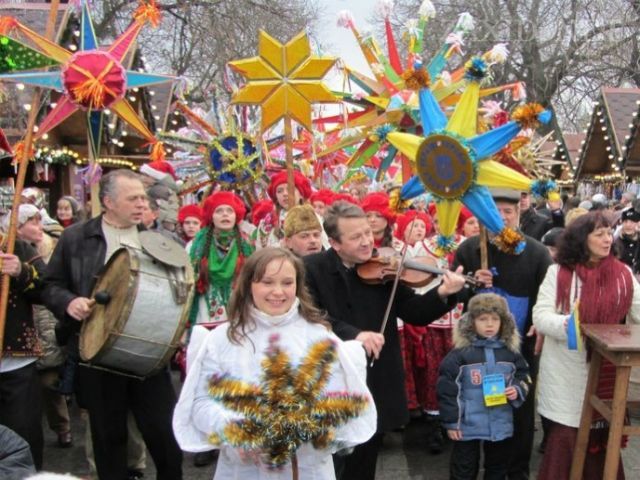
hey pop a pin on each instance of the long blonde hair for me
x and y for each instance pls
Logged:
(240, 321)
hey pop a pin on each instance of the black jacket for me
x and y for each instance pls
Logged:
(354, 306)
(534, 224)
(516, 277)
(628, 251)
(20, 335)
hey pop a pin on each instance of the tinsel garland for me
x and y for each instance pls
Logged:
(475, 69)
(543, 188)
(288, 408)
(527, 115)
(509, 241)
(416, 78)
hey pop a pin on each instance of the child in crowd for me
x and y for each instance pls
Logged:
(481, 381)
(270, 308)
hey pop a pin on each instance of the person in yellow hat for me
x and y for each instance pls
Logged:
(302, 231)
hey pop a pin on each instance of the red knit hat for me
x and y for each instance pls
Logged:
(159, 166)
(403, 221)
(261, 209)
(223, 198)
(345, 197)
(301, 182)
(190, 211)
(325, 196)
(465, 214)
(378, 202)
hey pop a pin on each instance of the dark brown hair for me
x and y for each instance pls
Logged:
(337, 211)
(572, 245)
(238, 309)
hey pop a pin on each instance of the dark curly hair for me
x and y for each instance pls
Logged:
(572, 247)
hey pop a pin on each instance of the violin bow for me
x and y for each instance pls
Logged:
(394, 288)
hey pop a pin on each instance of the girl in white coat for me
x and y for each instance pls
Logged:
(270, 306)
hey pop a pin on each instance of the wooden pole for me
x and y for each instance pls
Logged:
(288, 145)
(23, 164)
(294, 466)
(484, 255)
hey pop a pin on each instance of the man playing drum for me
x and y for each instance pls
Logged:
(71, 275)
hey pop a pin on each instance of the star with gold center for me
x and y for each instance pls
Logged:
(284, 80)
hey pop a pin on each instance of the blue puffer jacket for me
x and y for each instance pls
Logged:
(460, 394)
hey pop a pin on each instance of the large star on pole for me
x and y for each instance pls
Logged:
(284, 80)
(93, 78)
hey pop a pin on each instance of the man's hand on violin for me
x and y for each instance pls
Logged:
(485, 277)
(452, 282)
(372, 343)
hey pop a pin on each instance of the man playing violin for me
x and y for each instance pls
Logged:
(356, 310)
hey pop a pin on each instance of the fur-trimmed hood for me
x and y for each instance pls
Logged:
(464, 334)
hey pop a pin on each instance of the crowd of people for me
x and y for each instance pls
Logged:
(465, 351)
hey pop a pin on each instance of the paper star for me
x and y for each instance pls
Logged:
(284, 80)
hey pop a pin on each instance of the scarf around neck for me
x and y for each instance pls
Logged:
(606, 291)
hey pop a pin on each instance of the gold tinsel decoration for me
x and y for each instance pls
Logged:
(509, 241)
(416, 79)
(288, 408)
(396, 204)
(527, 115)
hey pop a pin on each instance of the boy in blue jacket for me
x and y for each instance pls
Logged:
(481, 381)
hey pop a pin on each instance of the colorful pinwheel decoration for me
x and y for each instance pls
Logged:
(453, 163)
(389, 102)
(91, 79)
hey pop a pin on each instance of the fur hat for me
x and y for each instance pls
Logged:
(404, 220)
(301, 182)
(190, 211)
(378, 202)
(26, 212)
(299, 219)
(465, 332)
(223, 198)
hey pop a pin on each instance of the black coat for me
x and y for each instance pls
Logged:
(534, 224)
(354, 306)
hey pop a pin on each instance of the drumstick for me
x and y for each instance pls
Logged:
(101, 298)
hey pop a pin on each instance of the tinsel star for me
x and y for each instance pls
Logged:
(288, 408)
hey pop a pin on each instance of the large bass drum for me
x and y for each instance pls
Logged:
(141, 312)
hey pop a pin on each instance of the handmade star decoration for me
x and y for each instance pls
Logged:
(454, 165)
(288, 408)
(284, 80)
(92, 79)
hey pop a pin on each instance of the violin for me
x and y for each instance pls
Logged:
(415, 272)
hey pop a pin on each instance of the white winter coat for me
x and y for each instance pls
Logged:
(562, 379)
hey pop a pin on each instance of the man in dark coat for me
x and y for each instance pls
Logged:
(71, 274)
(532, 223)
(356, 310)
(628, 243)
(517, 278)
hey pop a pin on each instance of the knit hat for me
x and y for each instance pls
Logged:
(487, 303)
(325, 196)
(223, 198)
(190, 211)
(300, 219)
(465, 214)
(630, 214)
(403, 221)
(378, 202)
(261, 209)
(345, 197)
(550, 239)
(301, 182)
(26, 212)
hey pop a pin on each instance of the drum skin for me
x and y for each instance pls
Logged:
(138, 330)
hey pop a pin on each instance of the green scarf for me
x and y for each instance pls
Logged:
(216, 286)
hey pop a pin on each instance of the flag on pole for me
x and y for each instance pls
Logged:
(574, 337)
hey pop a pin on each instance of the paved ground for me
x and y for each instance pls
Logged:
(404, 456)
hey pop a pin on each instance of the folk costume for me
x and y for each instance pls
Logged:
(199, 417)
(216, 258)
(270, 229)
(608, 293)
